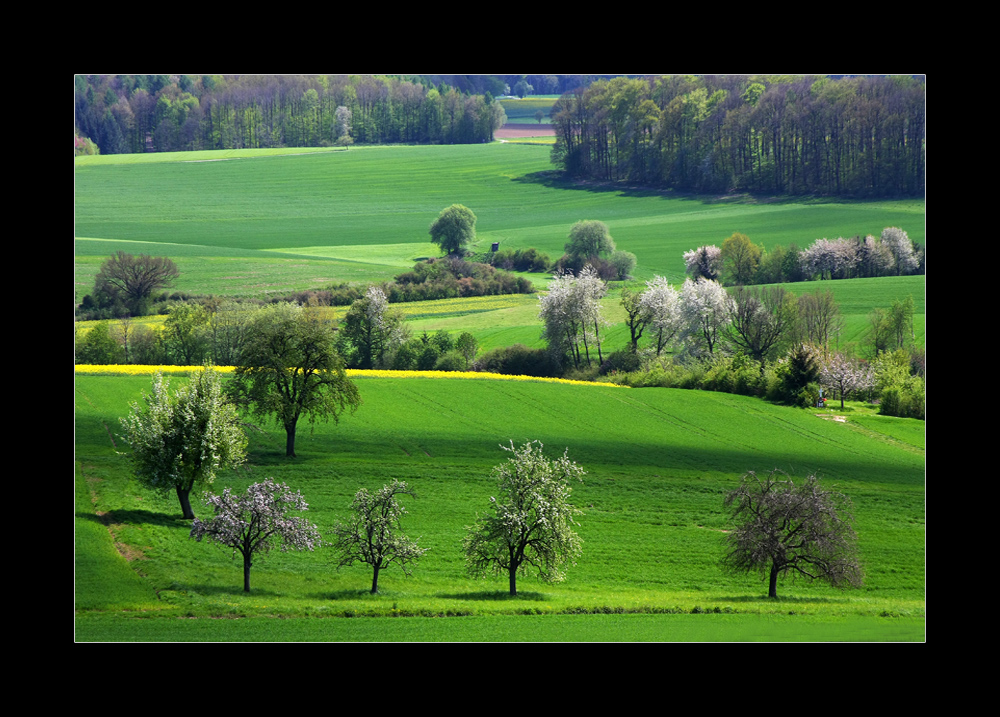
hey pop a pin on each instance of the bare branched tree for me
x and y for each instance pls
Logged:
(784, 528)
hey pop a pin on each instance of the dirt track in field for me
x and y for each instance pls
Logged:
(513, 131)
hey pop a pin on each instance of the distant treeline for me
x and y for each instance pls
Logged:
(853, 136)
(161, 113)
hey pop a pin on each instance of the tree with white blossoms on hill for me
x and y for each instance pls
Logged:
(373, 534)
(182, 438)
(531, 520)
(257, 522)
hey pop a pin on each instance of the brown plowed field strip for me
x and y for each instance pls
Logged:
(512, 131)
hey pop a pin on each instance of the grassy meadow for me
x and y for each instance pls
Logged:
(258, 223)
(658, 462)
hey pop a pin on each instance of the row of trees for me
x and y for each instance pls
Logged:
(183, 438)
(740, 261)
(859, 136)
(142, 113)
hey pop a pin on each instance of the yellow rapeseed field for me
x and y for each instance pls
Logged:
(132, 370)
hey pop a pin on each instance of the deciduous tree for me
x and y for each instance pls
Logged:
(290, 369)
(256, 522)
(780, 527)
(662, 303)
(531, 520)
(373, 534)
(184, 438)
(374, 329)
(135, 278)
(589, 238)
(740, 258)
(705, 311)
(454, 229)
(761, 318)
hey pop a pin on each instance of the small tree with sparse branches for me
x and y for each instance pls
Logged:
(782, 527)
(257, 522)
(531, 523)
(373, 535)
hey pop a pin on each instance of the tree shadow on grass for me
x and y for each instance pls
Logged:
(495, 595)
(557, 179)
(227, 590)
(781, 599)
(136, 517)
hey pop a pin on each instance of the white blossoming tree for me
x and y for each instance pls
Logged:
(705, 312)
(662, 303)
(257, 522)
(182, 438)
(704, 262)
(530, 525)
(843, 374)
(571, 314)
(373, 534)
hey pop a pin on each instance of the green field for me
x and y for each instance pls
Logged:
(659, 460)
(255, 223)
(658, 463)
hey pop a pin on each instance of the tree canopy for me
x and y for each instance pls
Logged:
(373, 534)
(130, 280)
(257, 522)
(454, 229)
(781, 527)
(184, 438)
(531, 520)
(290, 369)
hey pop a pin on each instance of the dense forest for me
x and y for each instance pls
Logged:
(161, 113)
(850, 136)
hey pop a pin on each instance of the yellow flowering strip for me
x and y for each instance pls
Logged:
(133, 370)
(130, 370)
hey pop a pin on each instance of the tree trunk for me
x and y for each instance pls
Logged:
(184, 496)
(772, 591)
(513, 581)
(289, 440)
(246, 574)
(375, 580)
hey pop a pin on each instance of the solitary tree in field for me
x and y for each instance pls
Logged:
(289, 369)
(589, 238)
(134, 278)
(256, 522)
(781, 528)
(373, 534)
(184, 438)
(454, 229)
(530, 525)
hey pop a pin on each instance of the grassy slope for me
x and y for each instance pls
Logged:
(658, 462)
(345, 215)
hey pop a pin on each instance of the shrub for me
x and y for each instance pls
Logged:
(621, 362)
(519, 360)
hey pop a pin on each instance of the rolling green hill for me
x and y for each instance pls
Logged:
(254, 223)
(658, 462)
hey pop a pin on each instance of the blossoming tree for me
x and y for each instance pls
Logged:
(256, 522)
(531, 523)
(182, 438)
(373, 534)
